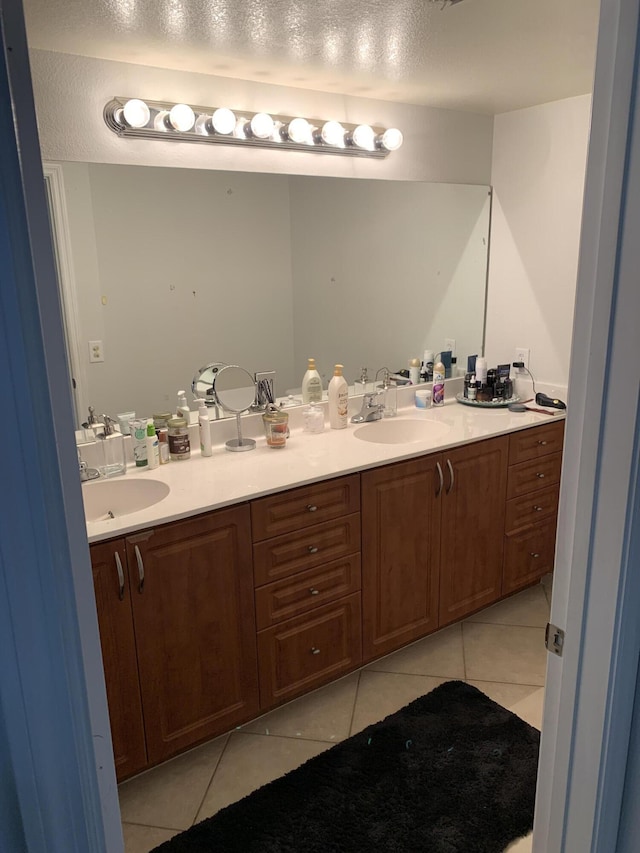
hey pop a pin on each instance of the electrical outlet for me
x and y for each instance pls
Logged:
(450, 344)
(96, 351)
(522, 354)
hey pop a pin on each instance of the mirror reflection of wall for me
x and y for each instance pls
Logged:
(176, 268)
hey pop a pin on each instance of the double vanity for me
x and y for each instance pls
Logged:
(228, 585)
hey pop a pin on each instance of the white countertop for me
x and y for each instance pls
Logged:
(201, 484)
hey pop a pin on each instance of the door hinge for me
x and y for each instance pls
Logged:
(554, 639)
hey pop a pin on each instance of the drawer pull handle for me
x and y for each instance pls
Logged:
(538, 508)
(313, 549)
(540, 476)
(534, 555)
(120, 576)
(313, 591)
(315, 651)
(542, 443)
(140, 569)
(452, 479)
(312, 508)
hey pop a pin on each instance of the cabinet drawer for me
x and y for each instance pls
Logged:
(530, 509)
(528, 555)
(285, 555)
(300, 508)
(310, 650)
(533, 475)
(537, 441)
(306, 590)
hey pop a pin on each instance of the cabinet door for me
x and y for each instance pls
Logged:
(473, 511)
(113, 603)
(400, 554)
(195, 628)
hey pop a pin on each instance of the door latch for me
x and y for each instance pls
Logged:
(554, 639)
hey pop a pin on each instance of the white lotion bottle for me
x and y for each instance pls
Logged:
(311, 384)
(481, 370)
(182, 410)
(205, 429)
(338, 399)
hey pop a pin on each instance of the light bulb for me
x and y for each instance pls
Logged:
(136, 113)
(261, 125)
(181, 117)
(391, 139)
(332, 133)
(364, 137)
(299, 130)
(160, 120)
(223, 121)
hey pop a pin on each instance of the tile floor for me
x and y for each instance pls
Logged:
(500, 651)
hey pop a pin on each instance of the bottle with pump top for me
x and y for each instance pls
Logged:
(438, 384)
(311, 384)
(338, 399)
(204, 429)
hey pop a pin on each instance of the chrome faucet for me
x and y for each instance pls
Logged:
(370, 411)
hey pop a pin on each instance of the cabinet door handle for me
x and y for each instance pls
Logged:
(313, 591)
(540, 476)
(542, 443)
(315, 651)
(313, 549)
(534, 555)
(441, 483)
(120, 576)
(538, 508)
(140, 568)
(451, 477)
(312, 508)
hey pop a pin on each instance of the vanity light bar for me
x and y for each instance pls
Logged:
(134, 118)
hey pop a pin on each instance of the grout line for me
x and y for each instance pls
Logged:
(464, 657)
(153, 826)
(292, 737)
(355, 701)
(213, 773)
(510, 683)
(501, 624)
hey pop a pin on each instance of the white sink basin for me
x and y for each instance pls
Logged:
(387, 431)
(112, 498)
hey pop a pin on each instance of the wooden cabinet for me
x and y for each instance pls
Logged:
(400, 554)
(191, 607)
(473, 509)
(535, 461)
(432, 542)
(117, 638)
(306, 563)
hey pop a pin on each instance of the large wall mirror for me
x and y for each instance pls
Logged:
(171, 269)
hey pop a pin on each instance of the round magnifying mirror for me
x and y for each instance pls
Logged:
(202, 384)
(235, 390)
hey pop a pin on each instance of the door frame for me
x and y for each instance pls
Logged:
(590, 690)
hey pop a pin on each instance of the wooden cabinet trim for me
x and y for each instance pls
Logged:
(306, 590)
(298, 508)
(285, 555)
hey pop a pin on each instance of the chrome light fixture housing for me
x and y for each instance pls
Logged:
(142, 119)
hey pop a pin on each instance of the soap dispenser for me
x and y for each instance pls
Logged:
(112, 445)
(311, 384)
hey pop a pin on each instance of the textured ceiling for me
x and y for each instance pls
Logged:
(480, 55)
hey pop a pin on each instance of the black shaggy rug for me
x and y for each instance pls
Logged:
(453, 772)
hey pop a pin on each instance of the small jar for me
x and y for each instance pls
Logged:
(163, 445)
(161, 420)
(423, 398)
(313, 418)
(179, 446)
(276, 426)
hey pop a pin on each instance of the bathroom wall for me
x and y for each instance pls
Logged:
(71, 92)
(538, 170)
